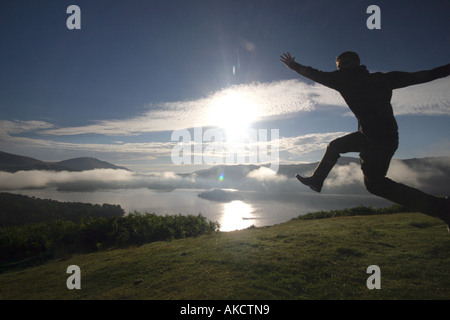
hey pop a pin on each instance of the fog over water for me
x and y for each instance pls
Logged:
(235, 196)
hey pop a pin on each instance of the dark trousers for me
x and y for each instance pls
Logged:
(375, 157)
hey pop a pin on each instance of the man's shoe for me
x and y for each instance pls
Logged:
(309, 182)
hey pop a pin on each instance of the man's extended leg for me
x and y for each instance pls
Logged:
(375, 164)
(352, 142)
(409, 197)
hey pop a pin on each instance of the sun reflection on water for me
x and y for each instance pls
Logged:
(236, 215)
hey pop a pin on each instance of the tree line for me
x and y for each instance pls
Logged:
(16, 209)
(65, 232)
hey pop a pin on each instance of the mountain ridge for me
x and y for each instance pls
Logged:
(12, 163)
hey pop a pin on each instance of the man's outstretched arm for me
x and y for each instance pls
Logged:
(325, 78)
(398, 79)
(288, 60)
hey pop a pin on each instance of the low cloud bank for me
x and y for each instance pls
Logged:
(90, 180)
(429, 174)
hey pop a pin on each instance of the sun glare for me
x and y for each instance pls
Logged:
(234, 112)
(236, 215)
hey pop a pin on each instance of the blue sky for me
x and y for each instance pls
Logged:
(137, 71)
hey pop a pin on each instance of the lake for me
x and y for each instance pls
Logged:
(247, 210)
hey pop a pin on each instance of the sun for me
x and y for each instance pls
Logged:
(234, 112)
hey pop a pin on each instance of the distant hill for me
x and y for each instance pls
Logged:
(87, 163)
(13, 163)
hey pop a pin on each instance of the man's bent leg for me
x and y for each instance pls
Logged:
(350, 143)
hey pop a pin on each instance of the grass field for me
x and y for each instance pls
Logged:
(299, 259)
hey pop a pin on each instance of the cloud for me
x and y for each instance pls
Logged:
(300, 145)
(296, 146)
(114, 150)
(20, 126)
(264, 174)
(91, 180)
(44, 179)
(431, 98)
(427, 174)
(239, 182)
(399, 171)
(272, 99)
(11, 139)
(344, 176)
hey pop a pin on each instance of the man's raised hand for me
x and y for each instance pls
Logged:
(287, 59)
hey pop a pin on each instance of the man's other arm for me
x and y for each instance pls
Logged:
(398, 79)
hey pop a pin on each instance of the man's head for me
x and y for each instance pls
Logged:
(347, 60)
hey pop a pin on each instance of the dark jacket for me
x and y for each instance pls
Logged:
(369, 94)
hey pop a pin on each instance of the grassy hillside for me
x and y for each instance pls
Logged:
(300, 259)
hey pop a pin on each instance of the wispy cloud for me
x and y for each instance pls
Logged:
(304, 144)
(431, 98)
(273, 99)
(20, 126)
(158, 148)
(298, 145)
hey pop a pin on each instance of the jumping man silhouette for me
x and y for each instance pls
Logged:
(368, 95)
